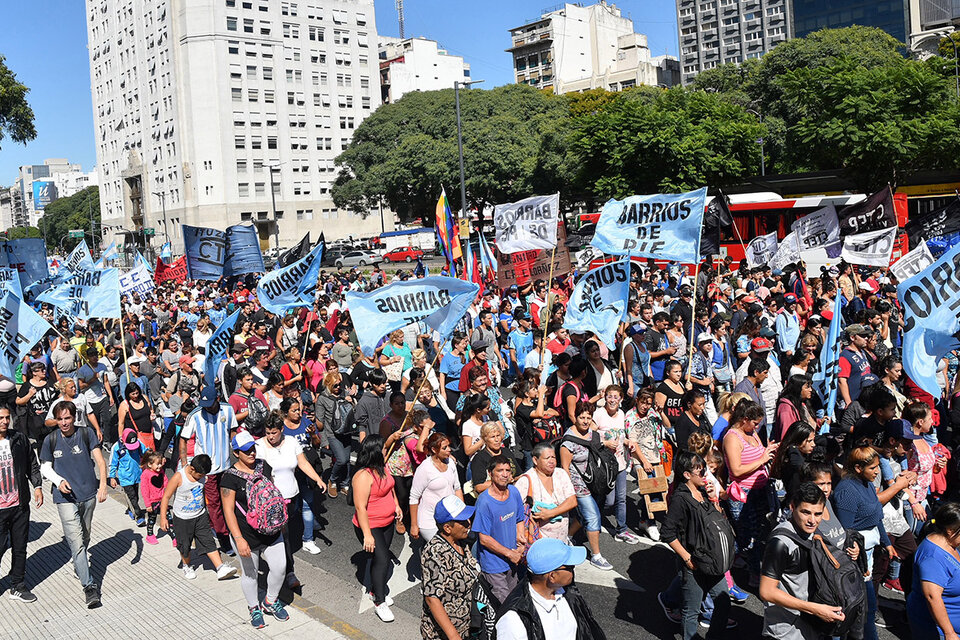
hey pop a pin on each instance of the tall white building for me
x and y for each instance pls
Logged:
(714, 32)
(576, 47)
(37, 186)
(417, 64)
(208, 111)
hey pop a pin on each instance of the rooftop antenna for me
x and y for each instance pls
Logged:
(400, 17)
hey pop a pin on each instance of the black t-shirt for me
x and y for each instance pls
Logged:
(481, 459)
(869, 428)
(524, 426)
(40, 403)
(231, 481)
(683, 427)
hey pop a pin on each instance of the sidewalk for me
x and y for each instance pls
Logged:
(144, 593)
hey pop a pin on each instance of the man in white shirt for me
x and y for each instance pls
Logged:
(549, 604)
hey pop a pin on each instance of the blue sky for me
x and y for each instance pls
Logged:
(45, 44)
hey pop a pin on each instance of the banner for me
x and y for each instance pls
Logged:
(296, 252)
(292, 286)
(212, 254)
(439, 301)
(872, 214)
(788, 251)
(218, 347)
(138, 280)
(528, 224)
(662, 226)
(44, 192)
(10, 281)
(176, 270)
(761, 249)
(936, 226)
(825, 380)
(20, 328)
(520, 268)
(599, 301)
(931, 315)
(88, 294)
(29, 257)
(78, 260)
(872, 248)
(716, 219)
(820, 228)
(912, 263)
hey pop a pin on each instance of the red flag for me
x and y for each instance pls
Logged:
(176, 271)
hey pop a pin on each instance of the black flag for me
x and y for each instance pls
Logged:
(294, 253)
(873, 214)
(936, 224)
(715, 218)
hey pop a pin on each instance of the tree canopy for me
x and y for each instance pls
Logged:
(16, 116)
(72, 212)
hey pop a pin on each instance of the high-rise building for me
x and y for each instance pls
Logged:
(217, 112)
(715, 32)
(930, 20)
(576, 47)
(417, 64)
(6, 207)
(893, 16)
(37, 187)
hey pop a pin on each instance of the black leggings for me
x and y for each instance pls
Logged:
(380, 566)
(402, 485)
(132, 492)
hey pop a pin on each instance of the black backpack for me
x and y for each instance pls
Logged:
(344, 422)
(258, 414)
(835, 580)
(600, 472)
(710, 540)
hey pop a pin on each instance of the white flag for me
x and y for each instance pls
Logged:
(788, 251)
(528, 224)
(872, 248)
(913, 263)
(820, 228)
(761, 249)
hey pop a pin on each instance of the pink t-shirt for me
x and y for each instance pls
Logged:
(613, 429)
(9, 494)
(430, 486)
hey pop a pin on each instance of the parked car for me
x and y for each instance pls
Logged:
(403, 254)
(357, 259)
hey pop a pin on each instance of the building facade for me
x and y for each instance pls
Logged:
(576, 47)
(417, 64)
(715, 32)
(37, 185)
(217, 112)
(893, 16)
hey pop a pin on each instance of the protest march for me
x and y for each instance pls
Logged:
(784, 426)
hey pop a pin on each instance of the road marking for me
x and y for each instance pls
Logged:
(398, 582)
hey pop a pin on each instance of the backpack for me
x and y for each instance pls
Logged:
(711, 541)
(344, 422)
(547, 430)
(600, 472)
(258, 413)
(266, 509)
(835, 580)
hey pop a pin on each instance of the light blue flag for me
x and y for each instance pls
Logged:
(218, 346)
(78, 260)
(140, 260)
(931, 316)
(825, 380)
(599, 301)
(29, 257)
(110, 253)
(662, 226)
(10, 281)
(20, 328)
(165, 251)
(243, 251)
(88, 294)
(291, 286)
(439, 301)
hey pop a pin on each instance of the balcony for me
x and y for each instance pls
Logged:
(538, 36)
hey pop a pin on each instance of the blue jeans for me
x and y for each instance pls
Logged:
(750, 524)
(619, 496)
(589, 513)
(694, 586)
(870, 620)
(76, 519)
(340, 448)
(306, 495)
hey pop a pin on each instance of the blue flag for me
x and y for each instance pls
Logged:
(88, 294)
(29, 257)
(218, 346)
(212, 254)
(10, 281)
(140, 260)
(599, 301)
(291, 286)
(110, 253)
(931, 316)
(825, 380)
(243, 251)
(165, 251)
(439, 301)
(20, 328)
(79, 259)
(662, 226)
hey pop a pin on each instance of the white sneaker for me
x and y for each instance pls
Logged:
(653, 532)
(311, 547)
(188, 572)
(225, 571)
(384, 613)
(387, 599)
(600, 562)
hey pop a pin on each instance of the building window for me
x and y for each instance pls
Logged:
(243, 189)
(241, 166)
(239, 142)
(231, 24)
(268, 73)
(271, 142)
(246, 216)
(248, 25)
(268, 96)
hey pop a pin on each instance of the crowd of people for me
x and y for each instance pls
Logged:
(507, 450)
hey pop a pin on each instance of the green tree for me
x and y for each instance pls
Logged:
(19, 233)
(406, 151)
(72, 212)
(16, 116)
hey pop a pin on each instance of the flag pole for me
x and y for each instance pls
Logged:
(546, 324)
(123, 346)
(693, 317)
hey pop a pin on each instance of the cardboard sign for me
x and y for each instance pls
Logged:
(520, 268)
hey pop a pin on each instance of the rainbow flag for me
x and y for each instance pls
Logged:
(446, 231)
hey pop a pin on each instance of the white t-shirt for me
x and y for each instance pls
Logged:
(472, 429)
(283, 461)
(83, 408)
(430, 486)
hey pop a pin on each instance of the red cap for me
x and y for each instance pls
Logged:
(761, 345)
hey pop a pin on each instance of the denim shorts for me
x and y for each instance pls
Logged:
(589, 513)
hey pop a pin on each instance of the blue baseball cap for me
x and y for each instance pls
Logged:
(243, 441)
(450, 509)
(549, 554)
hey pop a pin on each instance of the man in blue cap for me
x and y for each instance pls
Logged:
(548, 605)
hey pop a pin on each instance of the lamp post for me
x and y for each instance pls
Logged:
(463, 185)
(763, 165)
(163, 203)
(273, 204)
(956, 58)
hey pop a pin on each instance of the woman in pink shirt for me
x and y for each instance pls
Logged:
(433, 481)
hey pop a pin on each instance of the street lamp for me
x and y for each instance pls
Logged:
(463, 185)
(163, 203)
(956, 58)
(763, 166)
(273, 202)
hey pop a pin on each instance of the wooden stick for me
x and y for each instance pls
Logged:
(422, 383)
(546, 324)
(693, 318)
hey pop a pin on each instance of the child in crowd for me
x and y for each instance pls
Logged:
(124, 470)
(152, 485)
(189, 521)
